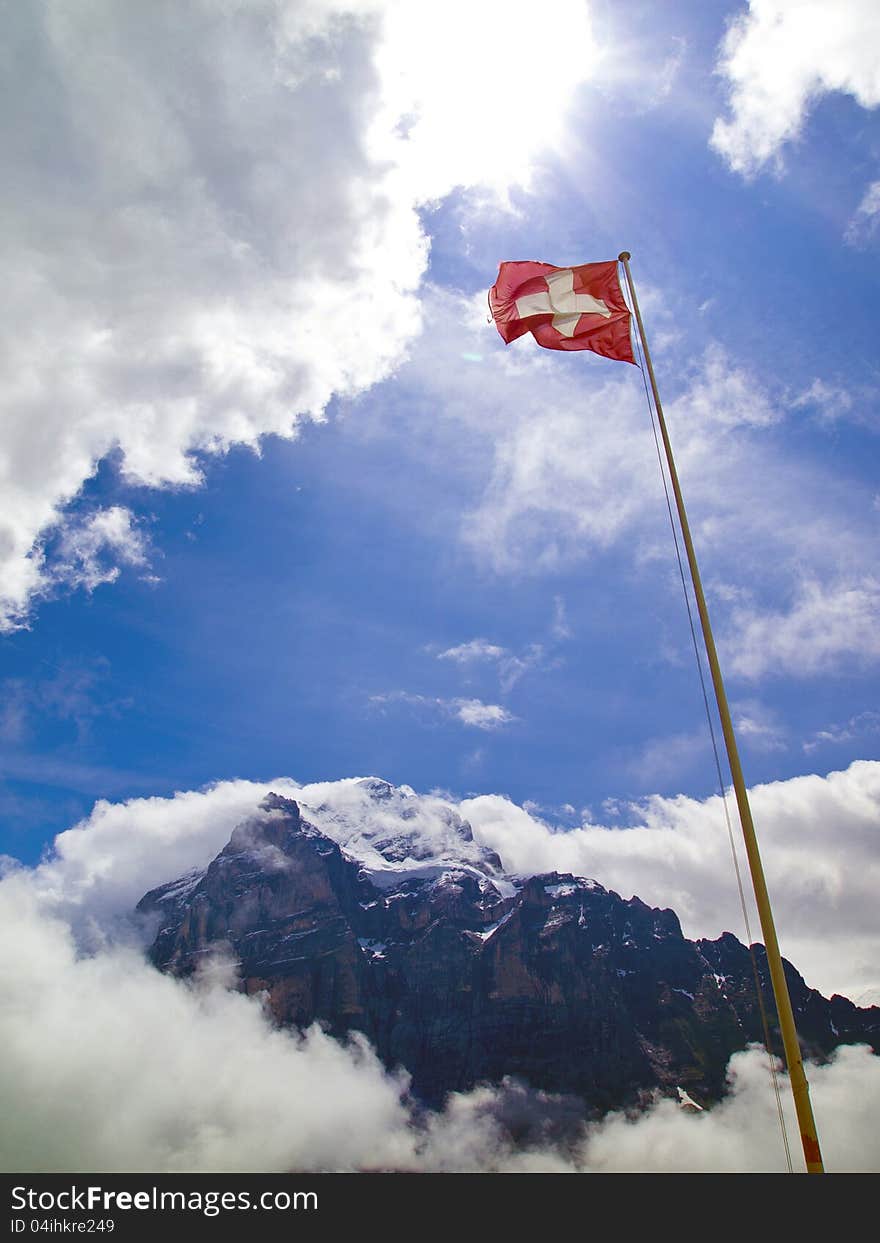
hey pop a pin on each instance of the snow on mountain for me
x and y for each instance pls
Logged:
(395, 833)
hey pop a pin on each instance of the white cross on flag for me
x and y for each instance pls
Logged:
(578, 308)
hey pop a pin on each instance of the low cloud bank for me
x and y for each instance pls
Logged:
(818, 838)
(110, 1065)
(818, 835)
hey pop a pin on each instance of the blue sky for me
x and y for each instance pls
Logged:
(458, 574)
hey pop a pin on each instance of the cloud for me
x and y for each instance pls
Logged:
(562, 484)
(831, 403)
(567, 471)
(825, 628)
(834, 403)
(743, 1134)
(175, 284)
(482, 716)
(779, 58)
(509, 666)
(90, 550)
(113, 1066)
(110, 1065)
(471, 712)
(560, 628)
(756, 724)
(858, 726)
(473, 651)
(818, 837)
(638, 69)
(863, 226)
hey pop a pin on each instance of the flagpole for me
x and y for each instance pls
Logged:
(797, 1077)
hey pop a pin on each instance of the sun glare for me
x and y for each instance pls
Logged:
(473, 92)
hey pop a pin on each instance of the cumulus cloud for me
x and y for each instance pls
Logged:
(779, 58)
(110, 1065)
(722, 1139)
(113, 1066)
(179, 285)
(818, 838)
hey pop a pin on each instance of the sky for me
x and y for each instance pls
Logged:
(279, 502)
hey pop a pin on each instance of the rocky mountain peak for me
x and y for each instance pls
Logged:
(393, 831)
(379, 912)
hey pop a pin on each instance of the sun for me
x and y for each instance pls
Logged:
(470, 95)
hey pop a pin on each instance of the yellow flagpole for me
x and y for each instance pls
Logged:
(798, 1079)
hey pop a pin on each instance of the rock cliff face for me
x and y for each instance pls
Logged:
(464, 975)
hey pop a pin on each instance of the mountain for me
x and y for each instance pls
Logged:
(380, 913)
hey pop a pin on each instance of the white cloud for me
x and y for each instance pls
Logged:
(571, 464)
(835, 403)
(211, 224)
(101, 867)
(858, 726)
(757, 726)
(722, 395)
(832, 403)
(471, 712)
(568, 470)
(863, 226)
(509, 666)
(779, 58)
(473, 651)
(826, 627)
(560, 628)
(90, 551)
(638, 68)
(818, 837)
(743, 1134)
(483, 716)
(110, 1065)
(562, 484)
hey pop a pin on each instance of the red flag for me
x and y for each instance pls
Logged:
(563, 308)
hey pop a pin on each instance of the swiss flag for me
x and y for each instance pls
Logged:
(578, 308)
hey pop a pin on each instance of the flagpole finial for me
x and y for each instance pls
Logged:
(624, 255)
